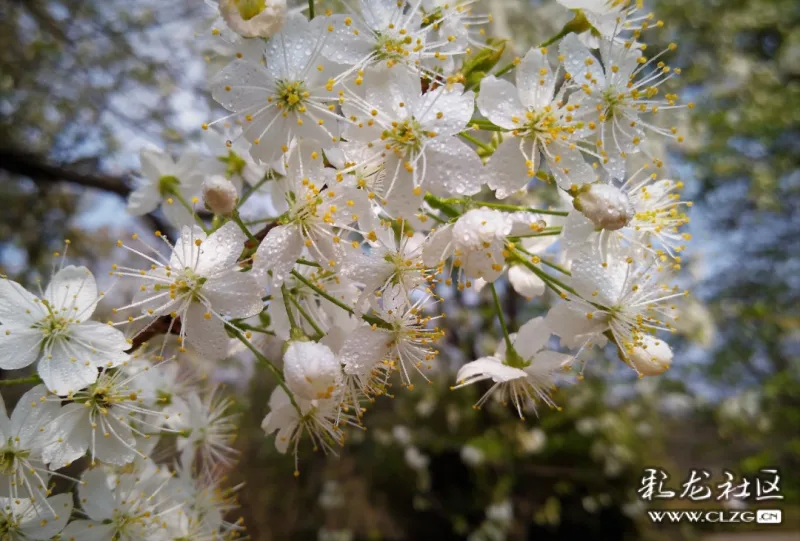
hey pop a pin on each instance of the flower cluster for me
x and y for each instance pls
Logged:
(372, 163)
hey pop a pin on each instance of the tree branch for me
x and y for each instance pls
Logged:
(20, 162)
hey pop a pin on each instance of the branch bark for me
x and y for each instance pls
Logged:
(39, 168)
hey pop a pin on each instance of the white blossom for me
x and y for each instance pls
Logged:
(644, 213)
(524, 377)
(22, 438)
(475, 241)
(201, 283)
(30, 519)
(413, 134)
(318, 208)
(164, 182)
(55, 330)
(626, 297)
(541, 125)
(615, 93)
(291, 96)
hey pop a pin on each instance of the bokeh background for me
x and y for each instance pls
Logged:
(84, 84)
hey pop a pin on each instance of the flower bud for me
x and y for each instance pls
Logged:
(652, 357)
(606, 206)
(219, 195)
(311, 370)
(254, 18)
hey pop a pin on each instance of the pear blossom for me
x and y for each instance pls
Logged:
(105, 420)
(200, 282)
(391, 260)
(165, 181)
(643, 213)
(29, 519)
(614, 95)
(524, 376)
(384, 32)
(318, 208)
(476, 241)
(405, 343)
(22, 438)
(414, 135)
(540, 124)
(291, 96)
(55, 330)
(254, 18)
(206, 428)
(319, 419)
(625, 297)
(128, 507)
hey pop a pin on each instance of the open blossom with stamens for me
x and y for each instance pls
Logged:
(205, 504)
(624, 296)
(643, 213)
(319, 419)
(291, 96)
(319, 208)
(130, 507)
(105, 420)
(391, 260)
(207, 429)
(541, 126)
(22, 439)
(413, 134)
(614, 95)
(384, 32)
(410, 335)
(523, 377)
(200, 283)
(163, 181)
(55, 330)
(475, 241)
(28, 519)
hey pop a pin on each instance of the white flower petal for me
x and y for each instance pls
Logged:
(242, 85)
(114, 443)
(19, 347)
(279, 252)
(205, 334)
(532, 337)
(63, 373)
(580, 62)
(535, 80)
(72, 293)
(568, 166)
(234, 294)
(17, 305)
(453, 168)
(70, 436)
(507, 172)
(364, 348)
(447, 111)
(525, 282)
(39, 523)
(488, 368)
(499, 101)
(597, 280)
(221, 250)
(88, 530)
(100, 343)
